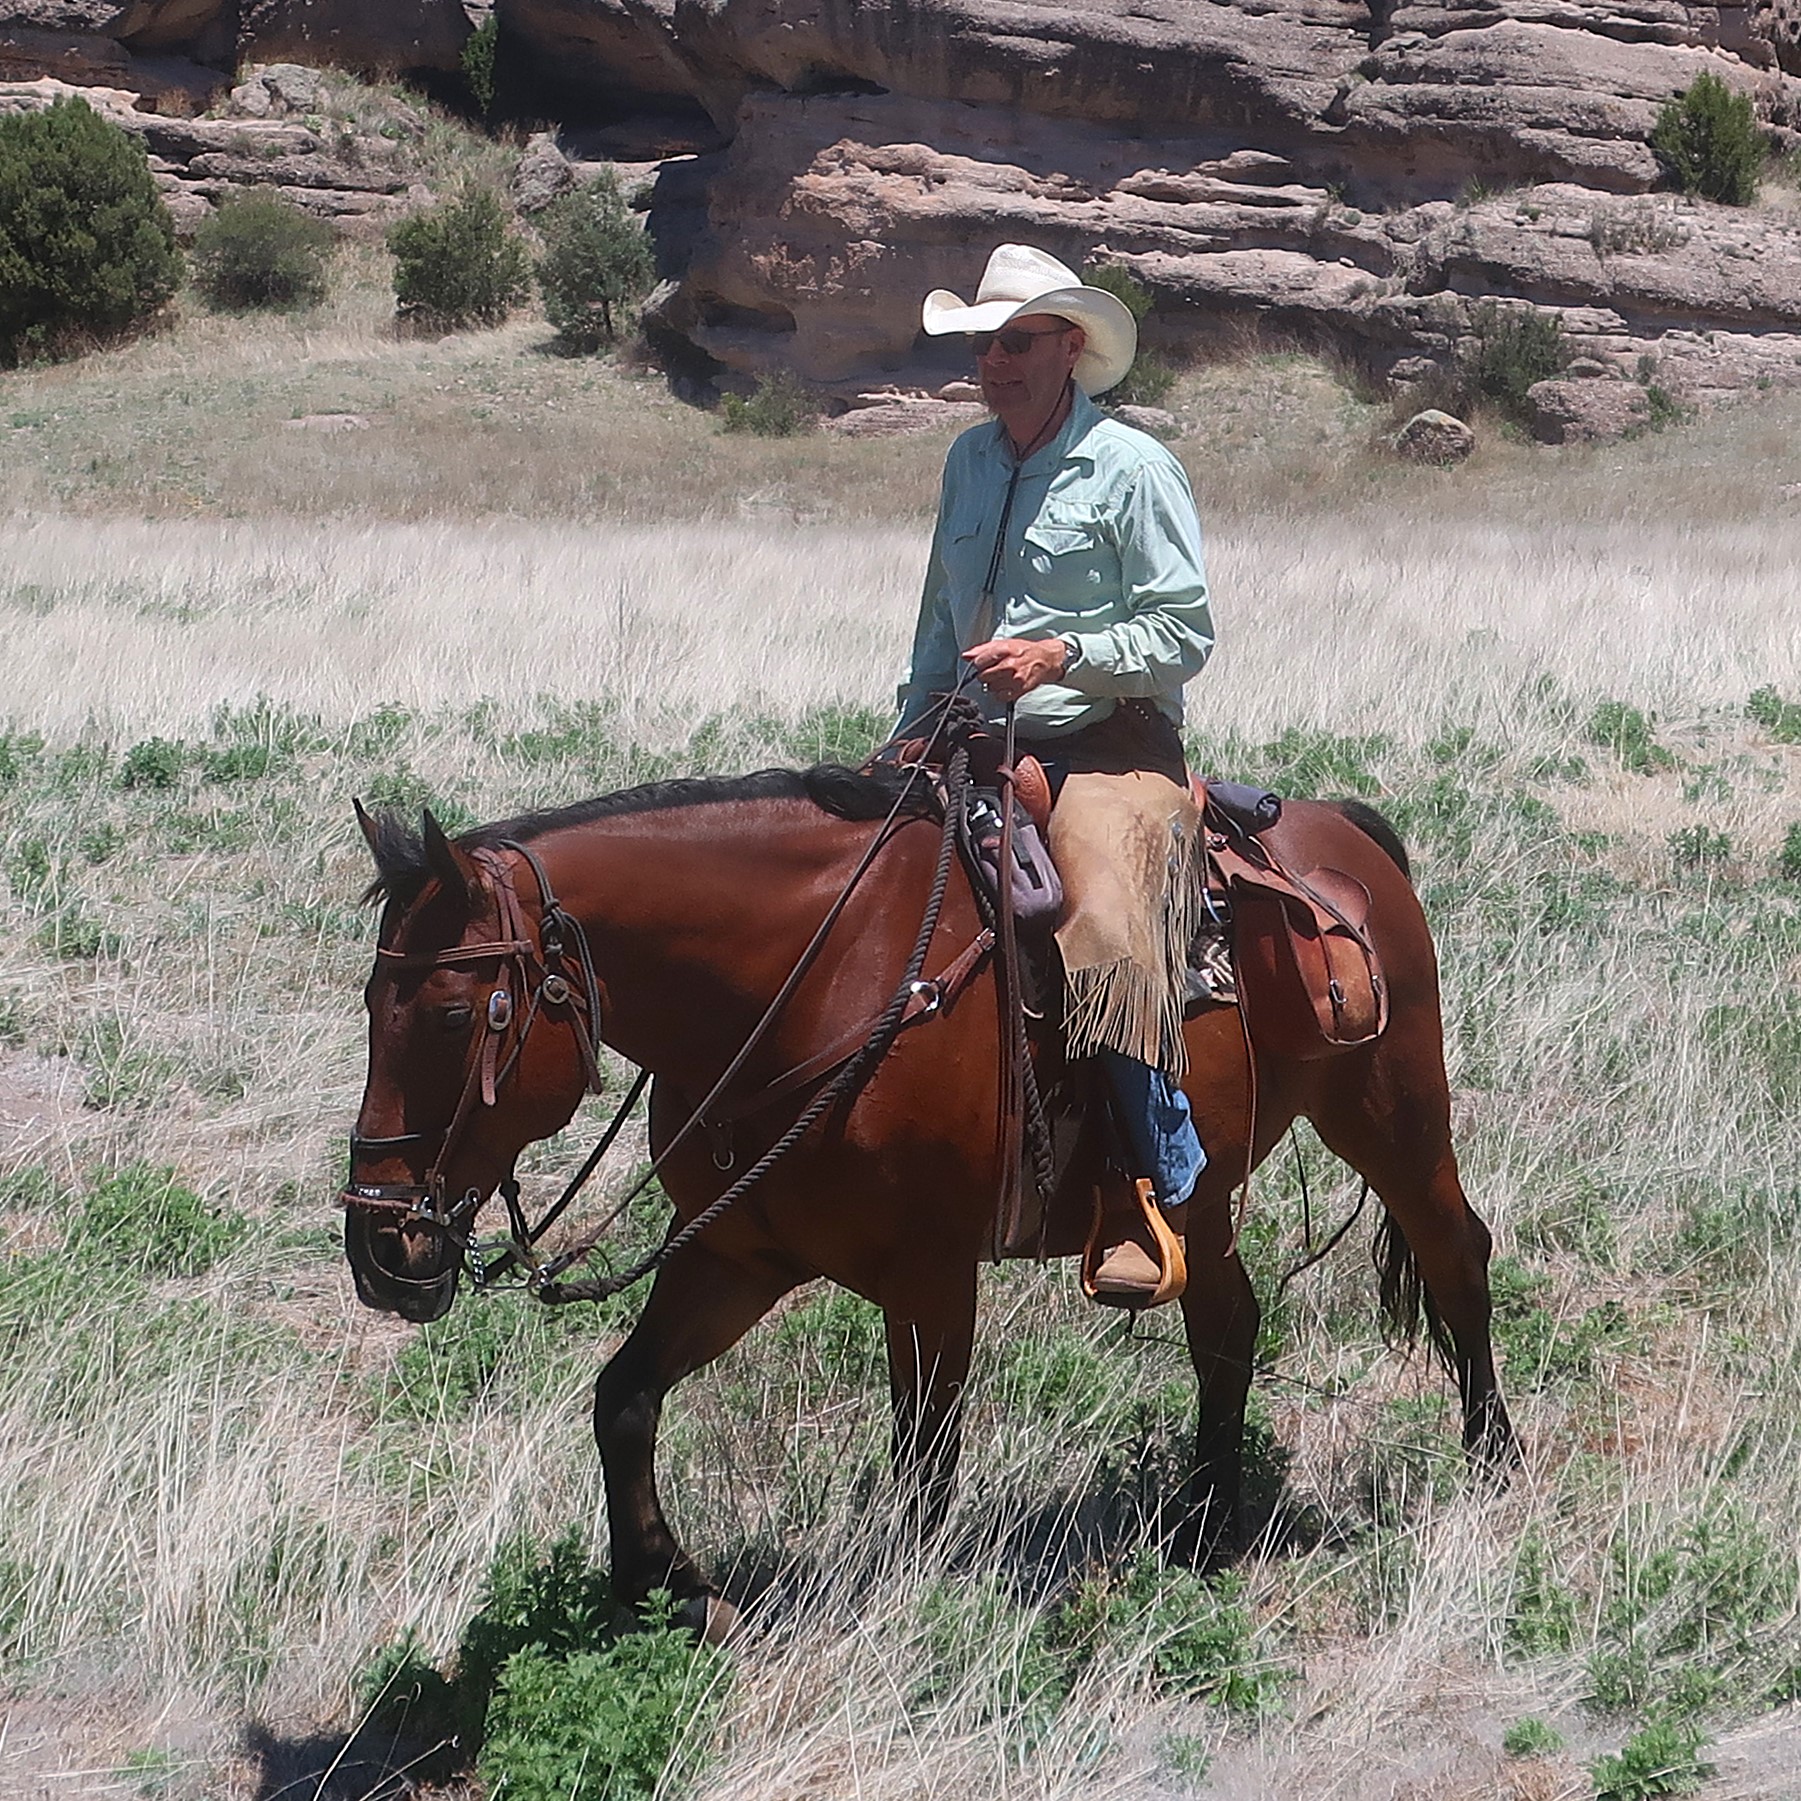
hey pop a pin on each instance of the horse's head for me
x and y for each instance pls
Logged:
(459, 1081)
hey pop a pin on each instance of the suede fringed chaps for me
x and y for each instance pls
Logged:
(1128, 847)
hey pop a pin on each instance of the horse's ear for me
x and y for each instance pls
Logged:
(455, 871)
(371, 831)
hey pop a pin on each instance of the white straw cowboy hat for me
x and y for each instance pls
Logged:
(1020, 280)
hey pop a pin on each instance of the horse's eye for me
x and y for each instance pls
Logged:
(458, 1018)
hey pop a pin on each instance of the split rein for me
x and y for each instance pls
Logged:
(490, 1262)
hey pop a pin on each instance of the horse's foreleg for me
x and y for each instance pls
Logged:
(1219, 1311)
(930, 1325)
(1404, 1151)
(699, 1307)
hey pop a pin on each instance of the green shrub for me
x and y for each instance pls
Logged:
(154, 763)
(601, 1725)
(458, 263)
(257, 251)
(478, 59)
(1788, 859)
(1149, 380)
(144, 1218)
(1541, 1611)
(1197, 1632)
(597, 264)
(1696, 846)
(556, 1608)
(1122, 284)
(1512, 349)
(1780, 718)
(1146, 383)
(1709, 144)
(1664, 408)
(1624, 730)
(778, 408)
(1531, 1737)
(1663, 1759)
(87, 248)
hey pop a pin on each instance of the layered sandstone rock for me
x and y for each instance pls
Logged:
(128, 45)
(351, 180)
(72, 41)
(1391, 102)
(830, 216)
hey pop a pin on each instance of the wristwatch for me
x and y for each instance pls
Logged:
(1072, 654)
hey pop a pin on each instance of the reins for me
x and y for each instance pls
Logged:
(848, 1080)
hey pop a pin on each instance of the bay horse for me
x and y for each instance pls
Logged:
(693, 901)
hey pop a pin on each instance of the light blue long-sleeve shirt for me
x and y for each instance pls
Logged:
(1103, 548)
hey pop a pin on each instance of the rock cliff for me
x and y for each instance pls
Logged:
(1360, 174)
(177, 55)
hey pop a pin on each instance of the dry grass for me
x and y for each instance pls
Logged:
(1359, 622)
(223, 1492)
(493, 424)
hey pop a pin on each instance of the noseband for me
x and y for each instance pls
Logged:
(539, 968)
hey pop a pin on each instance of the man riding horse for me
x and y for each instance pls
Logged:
(1066, 579)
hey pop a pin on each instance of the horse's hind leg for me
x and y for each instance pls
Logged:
(1394, 1129)
(699, 1307)
(1219, 1311)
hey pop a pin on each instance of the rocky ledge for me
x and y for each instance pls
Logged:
(1359, 175)
(177, 56)
(828, 217)
(273, 134)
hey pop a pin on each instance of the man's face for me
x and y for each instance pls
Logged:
(1024, 386)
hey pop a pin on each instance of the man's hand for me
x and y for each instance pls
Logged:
(1010, 667)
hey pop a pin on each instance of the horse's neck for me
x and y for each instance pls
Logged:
(696, 916)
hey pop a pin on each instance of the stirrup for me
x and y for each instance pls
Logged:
(1171, 1274)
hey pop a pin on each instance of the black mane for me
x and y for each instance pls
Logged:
(839, 791)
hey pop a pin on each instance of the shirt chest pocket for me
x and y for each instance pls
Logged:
(1069, 564)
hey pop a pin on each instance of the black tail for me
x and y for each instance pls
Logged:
(1372, 825)
(1405, 1297)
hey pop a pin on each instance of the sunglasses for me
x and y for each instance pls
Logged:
(1015, 342)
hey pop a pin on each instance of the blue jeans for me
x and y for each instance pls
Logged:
(1157, 1126)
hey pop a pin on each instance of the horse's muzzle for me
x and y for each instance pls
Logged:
(406, 1267)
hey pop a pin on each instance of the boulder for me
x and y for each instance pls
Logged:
(897, 418)
(542, 173)
(1777, 23)
(1152, 419)
(1435, 437)
(292, 87)
(204, 29)
(1587, 412)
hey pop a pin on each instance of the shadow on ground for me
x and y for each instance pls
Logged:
(374, 1764)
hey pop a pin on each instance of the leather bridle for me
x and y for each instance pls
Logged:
(554, 971)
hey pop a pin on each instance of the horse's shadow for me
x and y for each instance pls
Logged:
(1128, 1508)
(371, 1764)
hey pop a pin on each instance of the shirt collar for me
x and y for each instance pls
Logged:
(1084, 416)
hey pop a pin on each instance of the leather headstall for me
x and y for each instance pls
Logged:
(553, 970)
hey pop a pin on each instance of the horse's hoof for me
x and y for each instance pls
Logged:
(711, 1618)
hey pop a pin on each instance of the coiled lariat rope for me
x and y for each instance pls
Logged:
(845, 1084)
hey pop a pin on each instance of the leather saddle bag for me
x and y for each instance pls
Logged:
(1309, 981)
